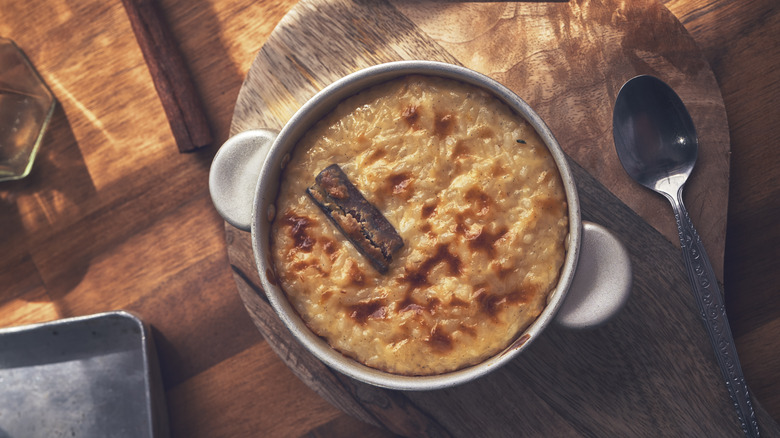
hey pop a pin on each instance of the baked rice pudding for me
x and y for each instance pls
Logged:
(477, 200)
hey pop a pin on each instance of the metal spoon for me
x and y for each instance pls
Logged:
(657, 145)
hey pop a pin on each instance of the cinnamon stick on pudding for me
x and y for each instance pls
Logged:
(360, 221)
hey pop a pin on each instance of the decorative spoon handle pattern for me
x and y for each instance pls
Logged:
(713, 313)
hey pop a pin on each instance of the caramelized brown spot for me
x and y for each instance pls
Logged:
(489, 303)
(461, 149)
(375, 156)
(400, 184)
(406, 302)
(492, 304)
(457, 302)
(355, 274)
(485, 240)
(480, 199)
(498, 171)
(426, 228)
(471, 331)
(299, 267)
(501, 271)
(361, 312)
(298, 225)
(433, 305)
(411, 116)
(417, 278)
(444, 124)
(525, 293)
(409, 305)
(329, 247)
(439, 341)
(427, 211)
(269, 274)
(484, 131)
(325, 296)
(515, 297)
(460, 225)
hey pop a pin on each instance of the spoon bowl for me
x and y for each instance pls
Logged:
(657, 145)
(655, 137)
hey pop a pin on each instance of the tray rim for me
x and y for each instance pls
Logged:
(156, 413)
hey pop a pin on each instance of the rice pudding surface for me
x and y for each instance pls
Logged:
(477, 199)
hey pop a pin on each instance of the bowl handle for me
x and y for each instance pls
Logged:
(601, 283)
(234, 173)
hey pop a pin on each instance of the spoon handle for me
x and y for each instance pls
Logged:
(713, 313)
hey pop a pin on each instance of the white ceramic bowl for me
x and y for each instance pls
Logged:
(244, 183)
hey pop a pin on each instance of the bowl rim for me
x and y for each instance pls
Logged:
(264, 209)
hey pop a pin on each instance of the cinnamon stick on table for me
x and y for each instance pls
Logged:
(170, 75)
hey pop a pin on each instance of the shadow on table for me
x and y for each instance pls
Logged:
(39, 208)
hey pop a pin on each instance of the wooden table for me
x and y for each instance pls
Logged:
(113, 217)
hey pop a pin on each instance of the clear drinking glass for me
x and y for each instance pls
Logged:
(26, 107)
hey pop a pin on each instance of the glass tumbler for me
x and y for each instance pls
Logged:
(26, 107)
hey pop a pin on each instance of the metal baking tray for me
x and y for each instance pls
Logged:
(91, 376)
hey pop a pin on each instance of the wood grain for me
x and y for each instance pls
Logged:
(663, 380)
(570, 76)
(99, 222)
(572, 84)
(742, 47)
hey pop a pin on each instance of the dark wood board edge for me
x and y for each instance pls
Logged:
(299, 65)
(410, 413)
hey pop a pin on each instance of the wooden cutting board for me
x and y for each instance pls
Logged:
(649, 372)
